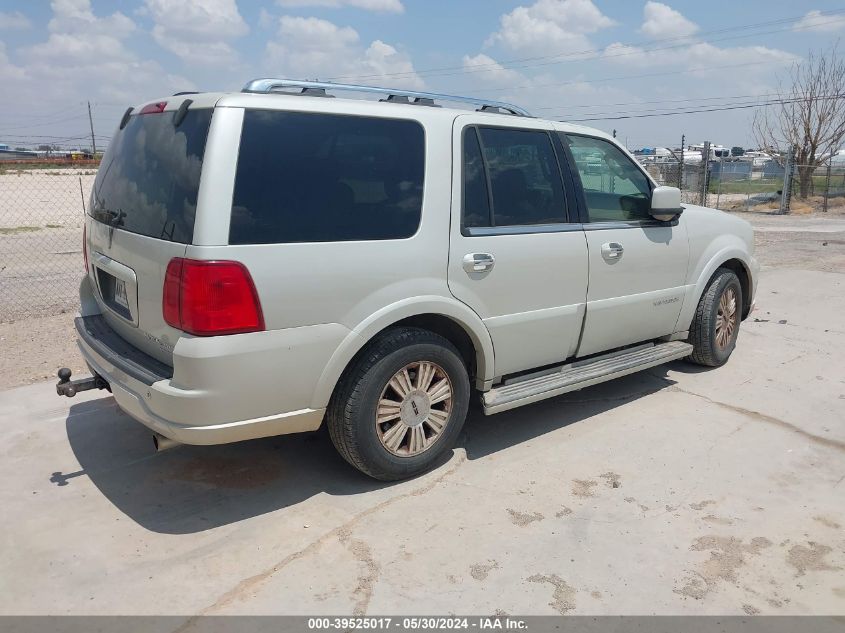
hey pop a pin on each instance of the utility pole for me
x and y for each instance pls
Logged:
(705, 172)
(93, 142)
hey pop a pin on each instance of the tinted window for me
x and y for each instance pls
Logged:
(150, 174)
(321, 178)
(524, 177)
(476, 208)
(615, 189)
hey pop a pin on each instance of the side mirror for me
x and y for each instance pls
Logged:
(666, 203)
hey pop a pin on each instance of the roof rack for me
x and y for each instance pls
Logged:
(319, 88)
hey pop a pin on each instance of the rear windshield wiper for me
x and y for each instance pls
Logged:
(106, 216)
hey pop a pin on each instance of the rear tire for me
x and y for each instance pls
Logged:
(401, 405)
(715, 326)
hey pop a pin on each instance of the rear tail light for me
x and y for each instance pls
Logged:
(85, 246)
(210, 298)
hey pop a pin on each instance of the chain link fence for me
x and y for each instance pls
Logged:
(749, 185)
(41, 219)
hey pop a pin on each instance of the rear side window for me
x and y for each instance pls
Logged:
(150, 175)
(520, 170)
(305, 177)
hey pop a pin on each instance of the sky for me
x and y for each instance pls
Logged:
(646, 63)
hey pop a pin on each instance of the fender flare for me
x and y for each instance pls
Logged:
(390, 314)
(714, 261)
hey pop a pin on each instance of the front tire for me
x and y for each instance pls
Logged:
(715, 326)
(401, 405)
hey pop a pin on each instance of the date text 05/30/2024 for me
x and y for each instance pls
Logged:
(502, 623)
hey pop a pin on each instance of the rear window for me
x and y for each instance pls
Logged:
(149, 177)
(324, 178)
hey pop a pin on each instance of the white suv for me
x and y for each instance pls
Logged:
(264, 262)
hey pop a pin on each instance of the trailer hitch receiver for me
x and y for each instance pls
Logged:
(69, 388)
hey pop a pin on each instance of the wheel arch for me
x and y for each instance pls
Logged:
(731, 256)
(740, 269)
(450, 319)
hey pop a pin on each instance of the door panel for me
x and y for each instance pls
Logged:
(532, 300)
(637, 295)
(531, 291)
(637, 266)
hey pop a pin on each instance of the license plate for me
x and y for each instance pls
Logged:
(120, 297)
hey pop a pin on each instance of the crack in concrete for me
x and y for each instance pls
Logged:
(762, 417)
(254, 581)
(366, 581)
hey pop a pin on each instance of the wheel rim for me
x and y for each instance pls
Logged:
(726, 318)
(414, 409)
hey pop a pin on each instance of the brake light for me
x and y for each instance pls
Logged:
(210, 298)
(154, 108)
(85, 246)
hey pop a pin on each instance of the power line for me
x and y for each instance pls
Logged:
(632, 103)
(44, 123)
(597, 52)
(699, 110)
(753, 99)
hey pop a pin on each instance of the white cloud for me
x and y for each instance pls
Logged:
(817, 21)
(84, 58)
(550, 26)
(314, 48)
(80, 38)
(699, 55)
(388, 6)
(15, 21)
(486, 68)
(198, 31)
(76, 17)
(661, 20)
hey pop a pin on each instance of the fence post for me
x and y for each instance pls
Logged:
(705, 173)
(681, 165)
(786, 192)
(721, 177)
(827, 184)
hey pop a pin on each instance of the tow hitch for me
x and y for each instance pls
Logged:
(69, 388)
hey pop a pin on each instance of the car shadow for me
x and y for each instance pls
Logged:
(194, 488)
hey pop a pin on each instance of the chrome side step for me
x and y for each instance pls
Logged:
(580, 374)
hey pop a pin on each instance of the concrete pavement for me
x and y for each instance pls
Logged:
(673, 491)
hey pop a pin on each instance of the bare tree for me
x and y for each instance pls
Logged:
(809, 114)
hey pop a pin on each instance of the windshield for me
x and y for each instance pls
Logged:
(149, 177)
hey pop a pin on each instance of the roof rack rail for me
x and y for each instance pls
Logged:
(393, 94)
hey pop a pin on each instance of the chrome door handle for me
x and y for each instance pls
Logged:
(478, 262)
(612, 250)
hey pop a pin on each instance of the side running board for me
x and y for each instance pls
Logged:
(580, 374)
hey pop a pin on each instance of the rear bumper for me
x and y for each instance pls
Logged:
(145, 389)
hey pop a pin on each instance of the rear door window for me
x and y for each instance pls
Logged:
(519, 168)
(149, 177)
(305, 177)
